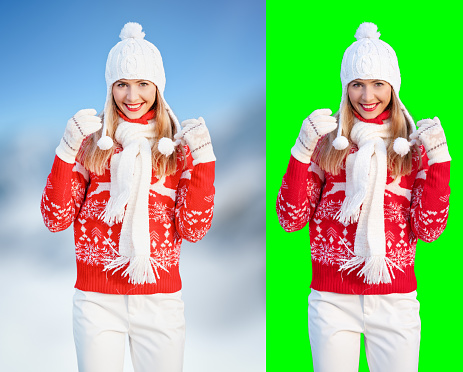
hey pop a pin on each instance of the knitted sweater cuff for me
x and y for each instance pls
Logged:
(437, 189)
(61, 170)
(203, 175)
(297, 171)
(438, 176)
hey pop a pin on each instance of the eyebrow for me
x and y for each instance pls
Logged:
(373, 81)
(129, 80)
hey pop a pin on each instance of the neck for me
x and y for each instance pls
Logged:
(142, 120)
(377, 120)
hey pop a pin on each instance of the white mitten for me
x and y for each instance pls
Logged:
(196, 135)
(82, 124)
(431, 134)
(313, 128)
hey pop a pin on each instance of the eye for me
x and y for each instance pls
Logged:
(121, 84)
(379, 84)
(144, 84)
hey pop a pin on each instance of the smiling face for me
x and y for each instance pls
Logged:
(134, 97)
(369, 97)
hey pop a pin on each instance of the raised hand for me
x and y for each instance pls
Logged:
(431, 135)
(319, 123)
(196, 135)
(82, 124)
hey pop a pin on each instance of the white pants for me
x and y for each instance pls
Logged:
(155, 325)
(390, 324)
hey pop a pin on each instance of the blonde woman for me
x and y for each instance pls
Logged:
(368, 191)
(133, 187)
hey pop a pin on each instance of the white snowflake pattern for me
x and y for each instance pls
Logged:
(91, 208)
(403, 257)
(327, 208)
(329, 254)
(166, 257)
(159, 212)
(396, 212)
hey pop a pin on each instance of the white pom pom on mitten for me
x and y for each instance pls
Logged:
(319, 123)
(431, 134)
(196, 135)
(82, 124)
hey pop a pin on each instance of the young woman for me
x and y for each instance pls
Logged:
(368, 192)
(132, 194)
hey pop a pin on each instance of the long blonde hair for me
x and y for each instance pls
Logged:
(95, 159)
(330, 160)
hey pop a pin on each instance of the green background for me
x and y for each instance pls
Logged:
(305, 44)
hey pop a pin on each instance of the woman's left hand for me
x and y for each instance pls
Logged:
(431, 134)
(196, 135)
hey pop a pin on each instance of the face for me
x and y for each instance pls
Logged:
(134, 97)
(369, 97)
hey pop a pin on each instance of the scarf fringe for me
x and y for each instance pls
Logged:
(117, 264)
(140, 270)
(115, 209)
(350, 208)
(376, 269)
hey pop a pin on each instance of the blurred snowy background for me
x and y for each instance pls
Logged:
(53, 61)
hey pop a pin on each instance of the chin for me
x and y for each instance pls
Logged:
(134, 115)
(369, 115)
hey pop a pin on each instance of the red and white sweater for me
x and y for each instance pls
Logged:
(415, 207)
(181, 207)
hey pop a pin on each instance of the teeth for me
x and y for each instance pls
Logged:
(134, 106)
(369, 106)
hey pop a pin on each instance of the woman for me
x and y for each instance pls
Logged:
(368, 194)
(133, 194)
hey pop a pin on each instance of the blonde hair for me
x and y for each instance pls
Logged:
(330, 160)
(95, 159)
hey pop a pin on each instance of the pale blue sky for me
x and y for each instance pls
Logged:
(54, 55)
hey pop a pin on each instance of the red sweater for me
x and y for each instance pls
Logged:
(415, 207)
(180, 208)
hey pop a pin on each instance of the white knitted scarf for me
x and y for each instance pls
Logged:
(131, 172)
(366, 176)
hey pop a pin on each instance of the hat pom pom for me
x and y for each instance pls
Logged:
(401, 146)
(105, 143)
(132, 30)
(367, 30)
(166, 146)
(340, 143)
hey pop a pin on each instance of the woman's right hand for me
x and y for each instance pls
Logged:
(82, 124)
(319, 123)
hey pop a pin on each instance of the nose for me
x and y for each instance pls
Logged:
(367, 94)
(132, 94)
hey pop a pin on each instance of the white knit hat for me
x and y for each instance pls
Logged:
(134, 58)
(371, 58)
